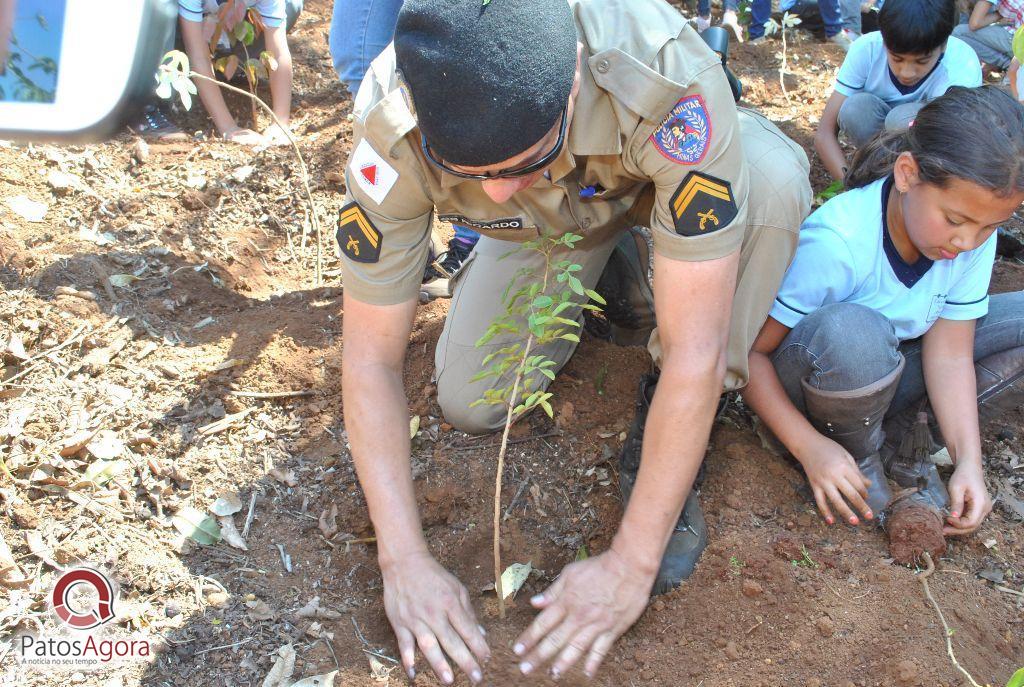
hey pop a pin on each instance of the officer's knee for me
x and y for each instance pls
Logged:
(478, 419)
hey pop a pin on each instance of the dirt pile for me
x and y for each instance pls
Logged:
(913, 530)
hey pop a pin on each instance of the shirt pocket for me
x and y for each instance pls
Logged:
(935, 308)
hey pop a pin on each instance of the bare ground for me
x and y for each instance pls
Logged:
(152, 371)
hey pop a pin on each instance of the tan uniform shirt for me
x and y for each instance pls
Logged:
(654, 140)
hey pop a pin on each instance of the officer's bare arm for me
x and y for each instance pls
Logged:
(694, 302)
(376, 417)
(826, 140)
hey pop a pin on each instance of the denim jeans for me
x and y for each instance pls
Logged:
(993, 43)
(704, 6)
(847, 346)
(807, 10)
(862, 115)
(760, 12)
(360, 30)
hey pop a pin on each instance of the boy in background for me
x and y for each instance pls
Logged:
(890, 74)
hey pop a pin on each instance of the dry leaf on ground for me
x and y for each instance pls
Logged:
(283, 668)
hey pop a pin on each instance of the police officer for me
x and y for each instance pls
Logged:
(514, 117)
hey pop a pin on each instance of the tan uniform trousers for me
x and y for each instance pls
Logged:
(779, 200)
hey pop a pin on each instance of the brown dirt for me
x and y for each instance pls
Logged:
(913, 531)
(778, 599)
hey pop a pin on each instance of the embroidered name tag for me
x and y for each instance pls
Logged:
(484, 224)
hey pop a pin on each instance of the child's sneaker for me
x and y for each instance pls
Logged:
(842, 39)
(730, 19)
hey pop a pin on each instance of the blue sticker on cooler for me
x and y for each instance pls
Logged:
(685, 134)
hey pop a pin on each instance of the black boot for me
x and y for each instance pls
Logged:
(717, 39)
(441, 268)
(690, 535)
(627, 291)
(853, 419)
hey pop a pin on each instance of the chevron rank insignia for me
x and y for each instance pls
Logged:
(702, 204)
(357, 237)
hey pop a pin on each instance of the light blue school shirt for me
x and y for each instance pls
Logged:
(866, 70)
(845, 255)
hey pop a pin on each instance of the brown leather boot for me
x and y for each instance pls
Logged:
(853, 419)
(1000, 390)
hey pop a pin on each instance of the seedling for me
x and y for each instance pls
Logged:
(772, 27)
(533, 318)
(806, 561)
(175, 74)
(736, 565)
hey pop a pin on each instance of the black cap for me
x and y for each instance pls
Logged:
(487, 80)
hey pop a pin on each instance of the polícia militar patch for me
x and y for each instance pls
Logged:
(685, 134)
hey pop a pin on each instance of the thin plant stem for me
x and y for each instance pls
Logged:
(948, 632)
(782, 68)
(302, 166)
(504, 445)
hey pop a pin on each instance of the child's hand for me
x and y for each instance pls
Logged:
(969, 500)
(245, 136)
(835, 477)
(276, 135)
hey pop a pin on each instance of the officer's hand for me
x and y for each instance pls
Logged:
(836, 479)
(587, 608)
(429, 608)
(969, 501)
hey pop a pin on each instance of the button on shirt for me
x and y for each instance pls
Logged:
(845, 255)
(866, 70)
(640, 62)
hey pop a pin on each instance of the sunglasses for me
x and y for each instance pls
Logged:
(523, 171)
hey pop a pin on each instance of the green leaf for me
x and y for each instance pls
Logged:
(1018, 678)
(566, 320)
(196, 525)
(582, 553)
(518, 409)
(595, 296)
(542, 301)
(570, 337)
(574, 268)
(576, 285)
(547, 408)
(549, 374)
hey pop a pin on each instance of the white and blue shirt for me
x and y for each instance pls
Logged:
(272, 12)
(866, 70)
(845, 255)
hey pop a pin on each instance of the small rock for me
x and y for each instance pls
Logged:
(826, 628)
(140, 151)
(732, 651)
(217, 599)
(172, 609)
(752, 588)
(658, 606)
(906, 672)
(735, 500)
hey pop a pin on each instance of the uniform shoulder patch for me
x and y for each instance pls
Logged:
(702, 204)
(371, 172)
(685, 134)
(358, 239)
